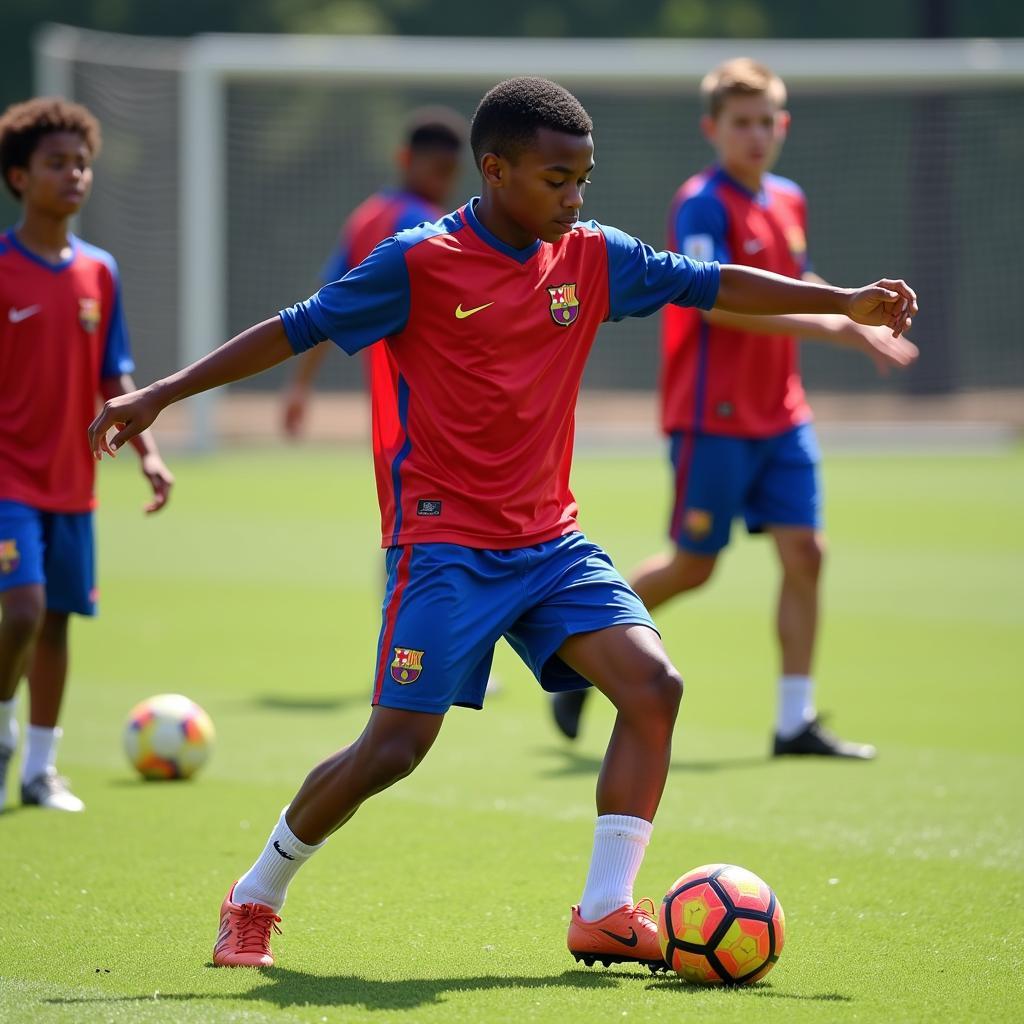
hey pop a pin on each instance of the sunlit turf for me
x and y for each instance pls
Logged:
(446, 899)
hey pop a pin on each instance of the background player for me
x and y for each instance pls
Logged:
(428, 166)
(489, 315)
(62, 342)
(733, 403)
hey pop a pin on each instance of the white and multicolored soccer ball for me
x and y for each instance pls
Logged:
(721, 925)
(168, 737)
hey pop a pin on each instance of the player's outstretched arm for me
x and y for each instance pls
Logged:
(886, 303)
(877, 343)
(296, 394)
(160, 478)
(250, 352)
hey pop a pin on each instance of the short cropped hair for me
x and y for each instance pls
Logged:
(740, 76)
(432, 128)
(510, 115)
(22, 125)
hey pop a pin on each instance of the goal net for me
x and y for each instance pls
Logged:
(231, 161)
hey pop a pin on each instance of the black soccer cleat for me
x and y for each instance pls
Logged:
(566, 708)
(589, 959)
(815, 740)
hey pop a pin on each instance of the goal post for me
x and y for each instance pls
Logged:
(272, 139)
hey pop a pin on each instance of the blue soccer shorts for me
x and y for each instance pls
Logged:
(772, 481)
(446, 606)
(55, 549)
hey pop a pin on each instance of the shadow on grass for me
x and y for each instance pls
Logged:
(296, 702)
(287, 988)
(762, 990)
(575, 763)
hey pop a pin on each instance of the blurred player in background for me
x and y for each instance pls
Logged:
(733, 404)
(428, 164)
(63, 342)
(489, 315)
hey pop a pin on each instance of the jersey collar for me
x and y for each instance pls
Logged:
(519, 255)
(12, 239)
(760, 197)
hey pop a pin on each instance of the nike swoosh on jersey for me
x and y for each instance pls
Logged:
(461, 314)
(627, 940)
(17, 315)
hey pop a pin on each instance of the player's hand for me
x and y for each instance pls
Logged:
(885, 303)
(884, 348)
(160, 478)
(130, 414)
(296, 401)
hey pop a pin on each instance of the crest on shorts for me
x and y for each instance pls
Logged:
(564, 304)
(89, 314)
(407, 666)
(10, 557)
(697, 523)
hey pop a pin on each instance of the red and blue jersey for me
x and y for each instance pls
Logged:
(719, 380)
(62, 331)
(383, 214)
(489, 344)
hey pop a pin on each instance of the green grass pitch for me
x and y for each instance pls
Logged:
(447, 898)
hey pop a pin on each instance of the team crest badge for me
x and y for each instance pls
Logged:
(89, 314)
(407, 666)
(796, 240)
(697, 523)
(564, 304)
(10, 557)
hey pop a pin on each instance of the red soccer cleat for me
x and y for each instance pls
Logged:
(626, 935)
(244, 936)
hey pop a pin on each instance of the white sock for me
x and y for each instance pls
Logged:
(796, 705)
(8, 723)
(619, 845)
(40, 751)
(267, 880)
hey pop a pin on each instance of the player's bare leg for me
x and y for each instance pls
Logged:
(801, 554)
(655, 581)
(49, 671)
(21, 616)
(665, 576)
(630, 666)
(41, 786)
(390, 746)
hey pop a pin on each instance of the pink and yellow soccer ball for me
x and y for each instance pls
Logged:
(168, 737)
(721, 925)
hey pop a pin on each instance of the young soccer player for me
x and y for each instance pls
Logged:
(428, 165)
(742, 442)
(489, 315)
(62, 342)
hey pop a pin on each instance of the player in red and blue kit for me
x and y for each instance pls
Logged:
(489, 315)
(428, 164)
(63, 343)
(733, 405)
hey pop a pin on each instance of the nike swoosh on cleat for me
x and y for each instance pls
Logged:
(461, 314)
(17, 315)
(626, 940)
(287, 856)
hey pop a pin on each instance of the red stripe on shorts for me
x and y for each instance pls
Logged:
(682, 479)
(390, 617)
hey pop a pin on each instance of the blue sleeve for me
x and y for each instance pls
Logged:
(641, 280)
(412, 215)
(117, 353)
(700, 229)
(369, 303)
(337, 263)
